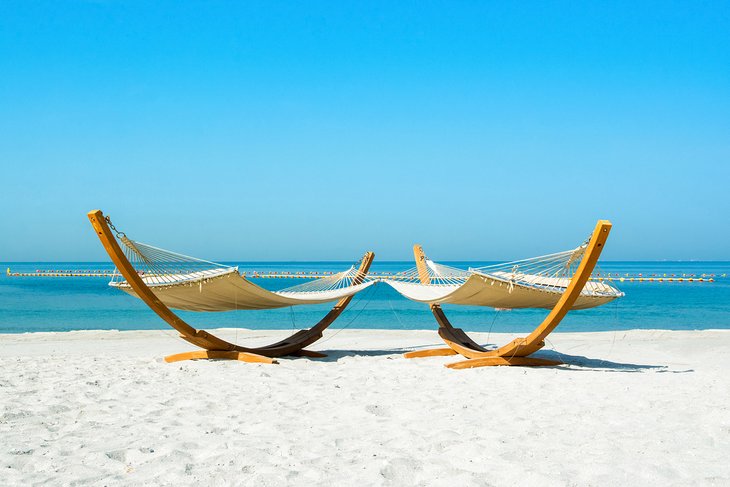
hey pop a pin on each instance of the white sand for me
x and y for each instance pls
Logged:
(102, 408)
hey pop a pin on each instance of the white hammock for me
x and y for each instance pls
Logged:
(187, 283)
(531, 283)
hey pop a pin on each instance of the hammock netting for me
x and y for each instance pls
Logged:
(186, 283)
(530, 283)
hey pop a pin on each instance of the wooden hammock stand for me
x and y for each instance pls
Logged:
(519, 350)
(214, 347)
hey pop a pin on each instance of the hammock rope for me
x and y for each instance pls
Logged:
(537, 282)
(341, 280)
(164, 267)
(186, 282)
(551, 272)
(438, 274)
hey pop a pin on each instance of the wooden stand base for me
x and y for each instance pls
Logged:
(431, 352)
(518, 351)
(497, 361)
(240, 356)
(486, 361)
(220, 355)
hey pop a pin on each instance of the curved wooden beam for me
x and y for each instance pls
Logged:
(517, 351)
(522, 347)
(294, 345)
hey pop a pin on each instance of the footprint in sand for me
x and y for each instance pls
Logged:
(118, 455)
(401, 470)
(377, 410)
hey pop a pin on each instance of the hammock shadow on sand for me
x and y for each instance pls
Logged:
(586, 364)
(577, 363)
(337, 354)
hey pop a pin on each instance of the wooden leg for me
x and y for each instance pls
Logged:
(497, 361)
(220, 355)
(430, 352)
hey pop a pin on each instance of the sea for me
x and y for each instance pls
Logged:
(57, 304)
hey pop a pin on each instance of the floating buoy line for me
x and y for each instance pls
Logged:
(618, 277)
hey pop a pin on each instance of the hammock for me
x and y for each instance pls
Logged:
(538, 282)
(186, 283)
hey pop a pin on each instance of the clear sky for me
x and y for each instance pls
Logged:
(305, 130)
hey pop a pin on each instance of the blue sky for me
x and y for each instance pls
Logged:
(306, 130)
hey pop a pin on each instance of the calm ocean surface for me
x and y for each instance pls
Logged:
(31, 304)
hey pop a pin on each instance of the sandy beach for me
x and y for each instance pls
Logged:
(102, 408)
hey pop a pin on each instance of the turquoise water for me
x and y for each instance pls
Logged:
(30, 304)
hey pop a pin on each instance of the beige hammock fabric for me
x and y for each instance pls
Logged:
(186, 283)
(538, 282)
(480, 290)
(190, 284)
(229, 291)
